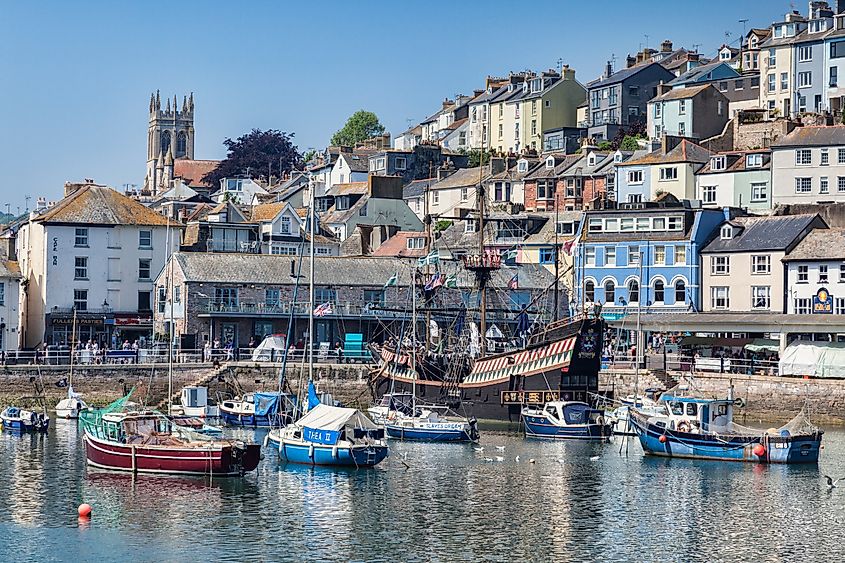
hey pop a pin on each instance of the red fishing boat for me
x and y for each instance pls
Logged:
(148, 442)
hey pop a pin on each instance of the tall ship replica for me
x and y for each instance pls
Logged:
(554, 361)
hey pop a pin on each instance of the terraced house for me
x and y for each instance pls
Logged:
(644, 259)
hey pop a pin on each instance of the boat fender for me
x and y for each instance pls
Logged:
(334, 452)
(683, 426)
(662, 439)
(311, 451)
(600, 421)
(759, 450)
(266, 440)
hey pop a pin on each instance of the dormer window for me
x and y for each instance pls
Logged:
(617, 157)
(727, 232)
(591, 159)
(536, 84)
(718, 162)
(550, 163)
(522, 166)
(469, 227)
(510, 87)
(754, 161)
(416, 243)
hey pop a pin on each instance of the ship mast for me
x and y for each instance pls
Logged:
(481, 275)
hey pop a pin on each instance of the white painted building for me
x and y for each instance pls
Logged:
(815, 273)
(98, 252)
(10, 283)
(349, 167)
(238, 190)
(808, 166)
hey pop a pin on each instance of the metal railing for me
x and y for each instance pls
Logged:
(159, 356)
(692, 364)
(302, 308)
(246, 247)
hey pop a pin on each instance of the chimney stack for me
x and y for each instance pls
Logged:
(608, 69)
(631, 60)
(666, 46)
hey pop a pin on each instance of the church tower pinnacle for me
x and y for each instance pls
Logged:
(170, 136)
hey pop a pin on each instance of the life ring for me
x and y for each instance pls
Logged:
(684, 426)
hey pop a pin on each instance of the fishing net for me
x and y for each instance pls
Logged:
(92, 418)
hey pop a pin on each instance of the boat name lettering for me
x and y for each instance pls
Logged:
(529, 397)
(320, 436)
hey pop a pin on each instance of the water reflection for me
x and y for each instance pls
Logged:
(449, 504)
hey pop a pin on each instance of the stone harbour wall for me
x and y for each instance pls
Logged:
(767, 398)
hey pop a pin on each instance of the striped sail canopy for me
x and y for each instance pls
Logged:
(555, 355)
(397, 365)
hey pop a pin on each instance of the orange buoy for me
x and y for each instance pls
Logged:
(759, 450)
(84, 510)
(662, 438)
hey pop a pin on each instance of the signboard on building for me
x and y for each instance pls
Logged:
(822, 302)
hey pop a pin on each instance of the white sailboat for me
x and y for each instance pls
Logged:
(72, 405)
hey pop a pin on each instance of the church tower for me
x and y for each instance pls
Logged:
(170, 135)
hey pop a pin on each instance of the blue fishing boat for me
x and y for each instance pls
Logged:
(258, 410)
(704, 429)
(431, 426)
(328, 435)
(566, 420)
(15, 419)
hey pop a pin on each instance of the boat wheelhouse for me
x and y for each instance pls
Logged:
(21, 420)
(704, 429)
(566, 420)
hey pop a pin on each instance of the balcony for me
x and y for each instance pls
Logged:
(245, 247)
(301, 309)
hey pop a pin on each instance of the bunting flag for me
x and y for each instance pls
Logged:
(393, 281)
(323, 310)
(432, 258)
(510, 254)
(451, 281)
(514, 282)
(436, 281)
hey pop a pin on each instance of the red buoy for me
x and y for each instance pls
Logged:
(84, 510)
(662, 438)
(759, 450)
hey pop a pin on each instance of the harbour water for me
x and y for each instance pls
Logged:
(450, 504)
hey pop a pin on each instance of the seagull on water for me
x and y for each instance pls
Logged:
(479, 450)
(500, 448)
(594, 458)
(490, 459)
(561, 461)
(516, 459)
(532, 460)
(831, 483)
(500, 458)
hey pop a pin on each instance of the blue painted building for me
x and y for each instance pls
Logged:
(643, 258)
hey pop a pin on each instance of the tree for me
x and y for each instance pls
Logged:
(309, 155)
(475, 156)
(360, 126)
(629, 143)
(255, 154)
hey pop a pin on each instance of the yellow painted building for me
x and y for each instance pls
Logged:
(551, 103)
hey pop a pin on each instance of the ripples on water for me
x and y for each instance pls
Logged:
(450, 505)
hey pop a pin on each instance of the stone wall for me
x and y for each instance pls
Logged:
(102, 384)
(768, 398)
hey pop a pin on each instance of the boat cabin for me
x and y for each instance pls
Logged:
(688, 414)
(572, 412)
(134, 428)
(195, 397)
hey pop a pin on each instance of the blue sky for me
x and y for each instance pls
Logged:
(78, 75)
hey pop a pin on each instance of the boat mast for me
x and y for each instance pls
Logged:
(427, 251)
(557, 257)
(171, 331)
(482, 274)
(72, 347)
(413, 342)
(311, 291)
